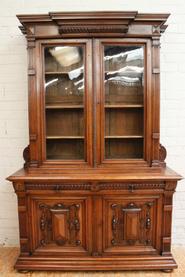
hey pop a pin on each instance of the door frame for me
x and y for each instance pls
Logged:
(98, 46)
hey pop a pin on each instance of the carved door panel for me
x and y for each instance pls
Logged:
(60, 225)
(131, 224)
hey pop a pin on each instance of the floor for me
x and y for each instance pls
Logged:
(8, 257)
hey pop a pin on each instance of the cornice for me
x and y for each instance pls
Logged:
(33, 18)
(96, 22)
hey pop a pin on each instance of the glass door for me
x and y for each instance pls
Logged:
(67, 107)
(122, 101)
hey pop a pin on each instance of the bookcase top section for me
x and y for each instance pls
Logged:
(93, 24)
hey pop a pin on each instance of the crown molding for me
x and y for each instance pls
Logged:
(92, 23)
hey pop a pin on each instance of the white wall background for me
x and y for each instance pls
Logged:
(13, 95)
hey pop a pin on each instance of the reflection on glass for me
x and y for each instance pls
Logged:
(124, 87)
(124, 74)
(64, 98)
(64, 80)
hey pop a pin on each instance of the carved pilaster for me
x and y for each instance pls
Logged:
(155, 95)
(167, 217)
(23, 218)
(32, 98)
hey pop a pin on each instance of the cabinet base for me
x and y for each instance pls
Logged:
(166, 264)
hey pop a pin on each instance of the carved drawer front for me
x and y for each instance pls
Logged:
(60, 225)
(131, 224)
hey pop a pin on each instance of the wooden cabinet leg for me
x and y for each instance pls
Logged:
(167, 270)
(23, 271)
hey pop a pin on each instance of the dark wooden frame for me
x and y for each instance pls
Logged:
(100, 102)
(87, 102)
(44, 186)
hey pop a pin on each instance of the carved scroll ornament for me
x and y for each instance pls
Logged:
(121, 215)
(70, 220)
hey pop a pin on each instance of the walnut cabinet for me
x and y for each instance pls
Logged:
(95, 192)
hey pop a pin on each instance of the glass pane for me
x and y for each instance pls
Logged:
(64, 102)
(124, 101)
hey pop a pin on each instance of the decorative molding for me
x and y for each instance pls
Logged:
(93, 29)
(155, 163)
(33, 137)
(155, 135)
(58, 187)
(31, 72)
(131, 207)
(130, 187)
(170, 186)
(19, 187)
(26, 156)
(156, 42)
(96, 254)
(156, 30)
(31, 42)
(23, 29)
(163, 28)
(94, 187)
(34, 164)
(156, 71)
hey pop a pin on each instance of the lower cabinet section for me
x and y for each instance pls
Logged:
(132, 225)
(60, 225)
(95, 226)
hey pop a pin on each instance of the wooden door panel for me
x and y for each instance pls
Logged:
(131, 224)
(60, 225)
(131, 219)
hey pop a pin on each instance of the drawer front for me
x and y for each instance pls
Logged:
(132, 224)
(60, 224)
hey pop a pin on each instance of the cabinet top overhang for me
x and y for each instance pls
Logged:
(93, 24)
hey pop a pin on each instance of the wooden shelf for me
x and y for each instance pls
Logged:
(120, 137)
(64, 106)
(64, 137)
(117, 106)
(56, 72)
